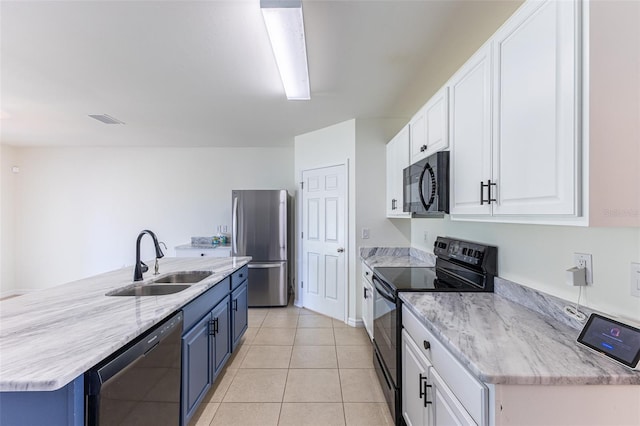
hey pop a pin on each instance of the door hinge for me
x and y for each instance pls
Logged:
(302, 184)
(301, 284)
(302, 235)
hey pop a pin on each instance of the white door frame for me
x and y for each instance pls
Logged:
(300, 272)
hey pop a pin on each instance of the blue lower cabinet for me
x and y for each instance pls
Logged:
(213, 326)
(221, 343)
(197, 368)
(239, 314)
(62, 407)
(206, 347)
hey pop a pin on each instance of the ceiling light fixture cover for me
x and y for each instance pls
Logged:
(106, 119)
(285, 26)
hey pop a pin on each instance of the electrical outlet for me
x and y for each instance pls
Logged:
(635, 279)
(583, 260)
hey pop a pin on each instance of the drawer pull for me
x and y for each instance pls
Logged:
(423, 385)
(426, 344)
(425, 394)
(420, 388)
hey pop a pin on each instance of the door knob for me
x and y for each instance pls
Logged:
(340, 250)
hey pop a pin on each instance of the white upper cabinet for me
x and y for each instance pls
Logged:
(397, 161)
(429, 129)
(515, 119)
(470, 111)
(535, 106)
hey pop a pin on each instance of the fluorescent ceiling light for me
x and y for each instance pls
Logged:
(285, 26)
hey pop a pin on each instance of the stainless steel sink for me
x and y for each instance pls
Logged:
(150, 290)
(168, 284)
(190, 277)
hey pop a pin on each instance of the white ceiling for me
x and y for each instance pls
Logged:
(201, 73)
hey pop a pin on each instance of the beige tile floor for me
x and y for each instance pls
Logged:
(296, 367)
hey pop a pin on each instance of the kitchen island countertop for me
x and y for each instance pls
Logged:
(51, 336)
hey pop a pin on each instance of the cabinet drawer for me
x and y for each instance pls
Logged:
(204, 303)
(239, 276)
(467, 388)
(367, 273)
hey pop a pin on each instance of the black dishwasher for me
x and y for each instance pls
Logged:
(140, 384)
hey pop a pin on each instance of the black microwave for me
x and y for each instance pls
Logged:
(426, 186)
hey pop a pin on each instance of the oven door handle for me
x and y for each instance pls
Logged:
(380, 288)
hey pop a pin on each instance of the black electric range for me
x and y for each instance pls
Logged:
(461, 266)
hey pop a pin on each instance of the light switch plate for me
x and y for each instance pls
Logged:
(635, 279)
(365, 233)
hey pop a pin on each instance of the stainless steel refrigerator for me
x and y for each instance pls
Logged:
(260, 222)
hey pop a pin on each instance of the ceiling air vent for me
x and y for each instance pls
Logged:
(106, 119)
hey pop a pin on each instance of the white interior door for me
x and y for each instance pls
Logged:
(323, 240)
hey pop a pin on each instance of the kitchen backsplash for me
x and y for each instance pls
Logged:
(545, 304)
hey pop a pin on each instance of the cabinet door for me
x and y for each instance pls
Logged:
(197, 371)
(471, 134)
(416, 407)
(535, 105)
(418, 135)
(397, 161)
(239, 313)
(367, 306)
(437, 119)
(221, 336)
(447, 410)
(429, 130)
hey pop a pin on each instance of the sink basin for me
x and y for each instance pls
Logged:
(151, 290)
(168, 284)
(190, 277)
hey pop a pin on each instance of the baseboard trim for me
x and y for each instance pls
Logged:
(355, 322)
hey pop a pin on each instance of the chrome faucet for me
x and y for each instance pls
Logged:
(140, 266)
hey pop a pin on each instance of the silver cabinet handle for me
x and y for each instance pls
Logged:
(340, 250)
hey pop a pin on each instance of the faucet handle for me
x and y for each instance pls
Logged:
(144, 267)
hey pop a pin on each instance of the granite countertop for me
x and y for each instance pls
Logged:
(395, 257)
(503, 342)
(202, 246)
(512, 336)
(50, 337)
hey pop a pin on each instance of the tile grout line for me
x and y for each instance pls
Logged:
(286, 379)
(344, 409)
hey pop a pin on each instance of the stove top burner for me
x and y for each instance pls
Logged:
(420, 279)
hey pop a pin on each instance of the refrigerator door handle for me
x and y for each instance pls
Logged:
(234, 228)
(264, 265)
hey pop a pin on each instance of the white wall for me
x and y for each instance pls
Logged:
(78, 211)
(372, 136)
(330, 146)
(537, 257)
(7, 226)
(361, 145)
